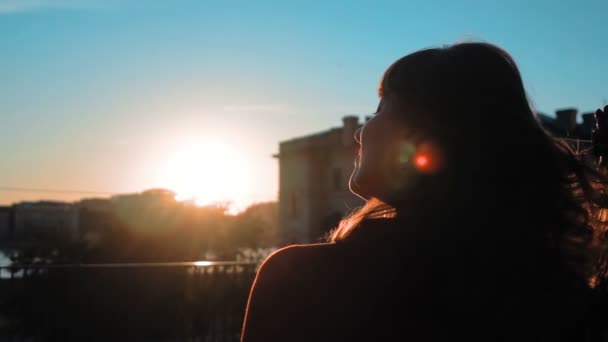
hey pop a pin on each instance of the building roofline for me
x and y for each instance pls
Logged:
(310, 136)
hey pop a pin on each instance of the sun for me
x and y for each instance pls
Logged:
(206, 171)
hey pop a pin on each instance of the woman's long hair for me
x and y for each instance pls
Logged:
(504, 179)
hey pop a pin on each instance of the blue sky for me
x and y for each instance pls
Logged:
(95, 94)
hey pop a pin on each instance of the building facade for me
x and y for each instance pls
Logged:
(313, 182)
(46, 218)
(7, 214)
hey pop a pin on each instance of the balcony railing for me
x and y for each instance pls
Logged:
(179, 301)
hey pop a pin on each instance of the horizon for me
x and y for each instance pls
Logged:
(230, 208)
(121, 97)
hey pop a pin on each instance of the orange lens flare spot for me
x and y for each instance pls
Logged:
(428, 158)
(422, 161)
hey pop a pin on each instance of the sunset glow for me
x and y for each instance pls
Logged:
(206, 172)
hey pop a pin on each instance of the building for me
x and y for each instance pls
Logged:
(313, 182)
(148, 211)
(96, 218)
(314, 172)
(45, 218)
(565, 124)
(6, 222)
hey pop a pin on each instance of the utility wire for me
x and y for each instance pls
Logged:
(61, 191)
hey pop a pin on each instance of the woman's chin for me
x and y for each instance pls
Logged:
(359, 194)
(356, 188)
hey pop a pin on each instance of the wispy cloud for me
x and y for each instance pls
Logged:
(19, 6)
(257, 108)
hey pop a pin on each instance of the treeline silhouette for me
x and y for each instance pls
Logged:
(143, 302)
(150, 227)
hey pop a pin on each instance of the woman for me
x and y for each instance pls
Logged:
(478, 224)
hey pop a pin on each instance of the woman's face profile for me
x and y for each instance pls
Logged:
(379, 163)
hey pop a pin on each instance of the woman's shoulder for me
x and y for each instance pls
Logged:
(295, 269)
(283, 296)
(299, 255)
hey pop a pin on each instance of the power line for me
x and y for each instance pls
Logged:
(59, 191)
(256, 196)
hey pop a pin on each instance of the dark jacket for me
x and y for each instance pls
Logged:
(384, 285)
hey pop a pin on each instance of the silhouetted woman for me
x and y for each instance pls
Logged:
(478, 224)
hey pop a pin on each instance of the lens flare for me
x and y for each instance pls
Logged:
(422, 161)
(406, 151)
(428, 158)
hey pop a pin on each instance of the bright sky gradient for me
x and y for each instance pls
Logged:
(96, 95)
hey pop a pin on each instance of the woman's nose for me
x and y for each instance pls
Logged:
(358, 135)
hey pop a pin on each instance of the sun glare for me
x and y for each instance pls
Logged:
(206, 172)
